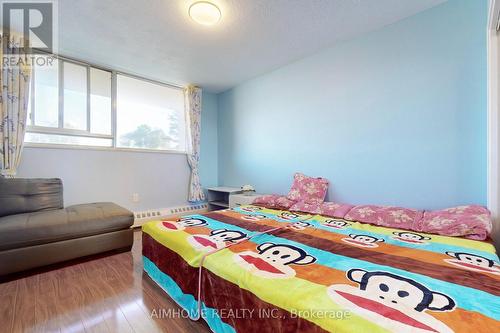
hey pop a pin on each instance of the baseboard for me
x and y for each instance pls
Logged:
(163, 213)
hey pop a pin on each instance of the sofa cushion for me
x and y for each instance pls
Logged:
(21, 195)
(55, 225)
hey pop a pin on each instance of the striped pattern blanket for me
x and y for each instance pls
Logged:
(252, 269)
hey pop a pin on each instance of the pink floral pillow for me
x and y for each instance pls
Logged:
(311, 207)
(336, 210)
(387, 216)
(472, 222)
(268, 201)
(284, 203)
(308, 189)
(273, 201)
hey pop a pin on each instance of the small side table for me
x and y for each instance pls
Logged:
(238, 199)
(218, 197)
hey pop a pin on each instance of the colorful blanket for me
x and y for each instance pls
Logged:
(254, 269)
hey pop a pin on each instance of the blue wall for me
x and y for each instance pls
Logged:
(396, 116)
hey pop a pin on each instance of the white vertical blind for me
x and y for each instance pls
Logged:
(75, 96)
(100, 101)
(149, 115)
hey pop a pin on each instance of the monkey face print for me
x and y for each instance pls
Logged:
(273, 260)
(288, 216)
(217, 239)
(182, 223)
(410, 237)
(336, 224)
(395, 302)
(253, 217)
(298, 226)
(362, 240)
(250, 209)
(473, 262)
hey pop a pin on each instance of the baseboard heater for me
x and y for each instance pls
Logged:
(157, 214)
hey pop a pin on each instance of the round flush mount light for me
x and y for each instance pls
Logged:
(204, 12)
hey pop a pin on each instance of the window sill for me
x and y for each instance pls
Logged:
(110, 149)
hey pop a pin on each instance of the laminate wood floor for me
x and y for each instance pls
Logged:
(106, 294)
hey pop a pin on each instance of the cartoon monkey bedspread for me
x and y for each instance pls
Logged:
(266, 270)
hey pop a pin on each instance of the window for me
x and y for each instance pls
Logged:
(45, 101)
(75, 96)
(71, 103)
(100, 101)
(149, 115)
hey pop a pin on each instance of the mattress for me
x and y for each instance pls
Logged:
(252, 269)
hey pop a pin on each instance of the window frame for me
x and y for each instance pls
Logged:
(60, 130)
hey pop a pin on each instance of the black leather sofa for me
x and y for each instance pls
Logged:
(36, 230)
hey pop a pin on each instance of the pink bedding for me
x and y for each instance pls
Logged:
(472, 221)
(387, 216)
(307, 195)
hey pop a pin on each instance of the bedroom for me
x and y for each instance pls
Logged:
(353, 142)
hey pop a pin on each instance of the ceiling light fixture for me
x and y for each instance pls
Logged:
(204, 12)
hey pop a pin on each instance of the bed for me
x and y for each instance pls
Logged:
(252, 269)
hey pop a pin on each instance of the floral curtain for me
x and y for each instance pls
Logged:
(192, 96)
(15, 74)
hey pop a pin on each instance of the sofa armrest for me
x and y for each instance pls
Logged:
(21, 195)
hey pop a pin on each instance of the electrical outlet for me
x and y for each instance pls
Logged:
(135, 197)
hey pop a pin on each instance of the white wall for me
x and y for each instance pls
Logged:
(92, 175)
(493, 120)
(161, 180)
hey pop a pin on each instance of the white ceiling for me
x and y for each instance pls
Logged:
(158, 40)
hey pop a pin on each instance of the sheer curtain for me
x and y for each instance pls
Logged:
(193, 120)
(14, 82)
